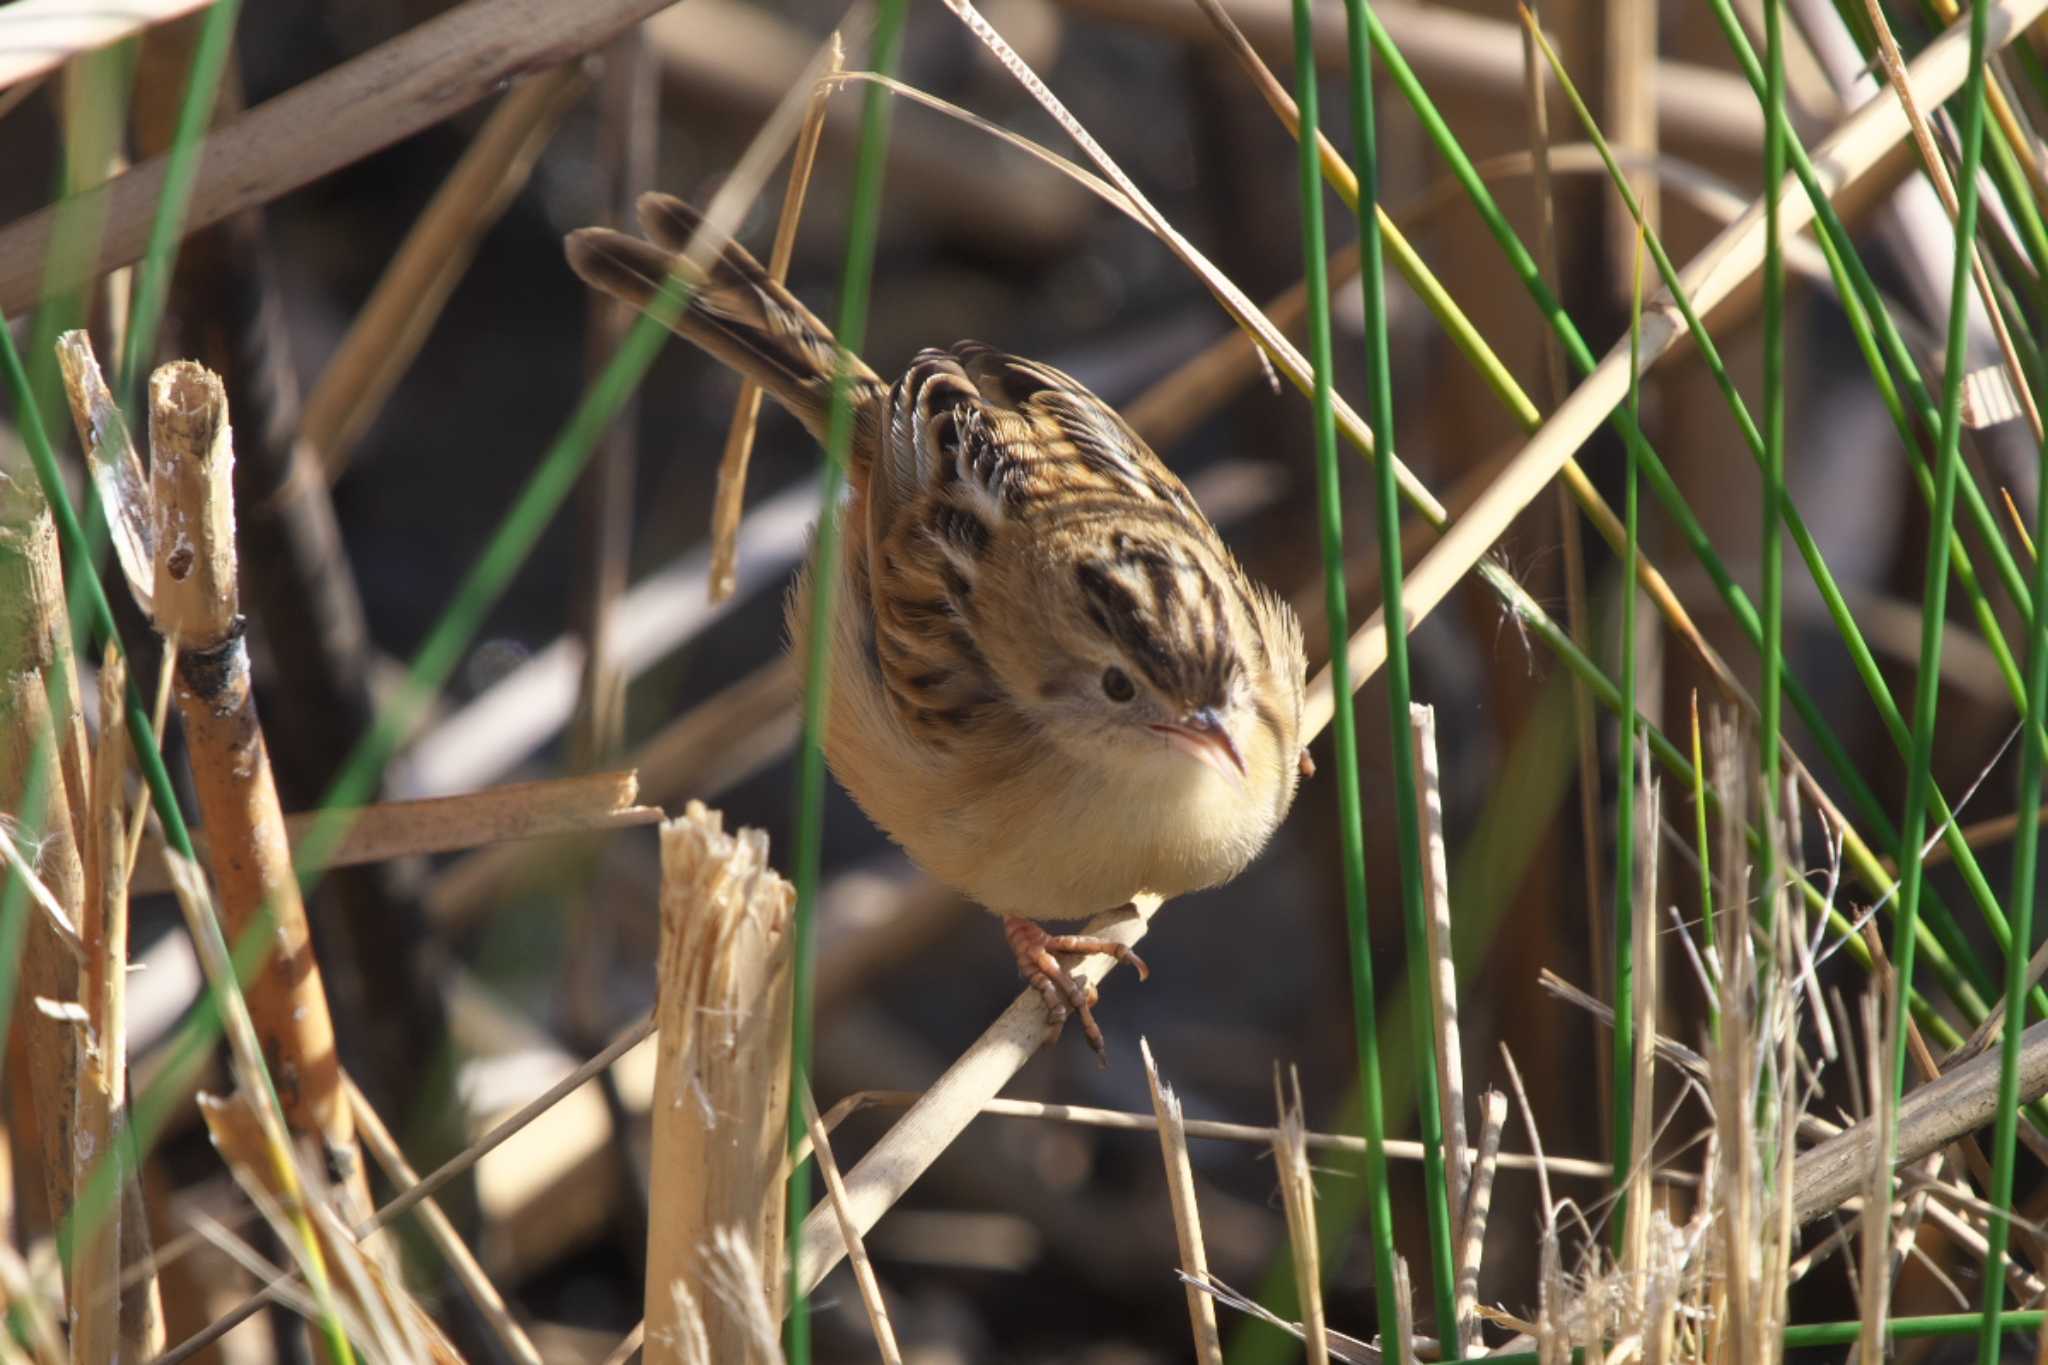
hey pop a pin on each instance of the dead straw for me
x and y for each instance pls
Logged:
(1187, 1218)
(856, 1253)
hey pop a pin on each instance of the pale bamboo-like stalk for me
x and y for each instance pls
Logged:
(1643, 1059)
(721, 1090)
(1187, 1218)
(856, 1253)
(31, 616)
(192, 463)
(1401, 1332)
(729, 500)
(394, 321)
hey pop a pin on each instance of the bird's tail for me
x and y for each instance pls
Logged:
(736, 311)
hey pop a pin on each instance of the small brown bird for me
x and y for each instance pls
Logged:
(1053, 685)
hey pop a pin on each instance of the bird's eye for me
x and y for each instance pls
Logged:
(1117, 685)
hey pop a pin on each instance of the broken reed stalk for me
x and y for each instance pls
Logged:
(490, 1304)
(1297, 1193)
(1493, 1115)
(721, 1089)
(394, 321)
(1436, 890)
(369, 1300)
(1635, 1260)
(1187, 1218)
(33, 796)
(729, 500)
(196, 605)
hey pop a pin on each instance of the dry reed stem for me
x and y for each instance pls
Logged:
(38, 36)
(490, 1304)
(1298, 1195)
(31, 615)
(394, 321)
(108, 1323)
(192, 462)
(716, 744)
(863, 1268)
(1493, 1115)
(629, 1345)
(341, 116)
(1401, 1330)
(1628, 68)
(1187, 1218)
(1936, 167)
(445, 824)
(1706, 109)
(1449, 1053)
(722, 1076)
(1849, 153)
(939, 1116)
(373, 1305)
(728, 501)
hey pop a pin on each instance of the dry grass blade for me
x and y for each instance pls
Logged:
(1849, 153)
(1401, 1331)
(198, 604)
(490, 1304)
(730, 496)
(1345, 1349)
(38, 36)
(29, 1308)
(373, 1304)
(1298, 1194)
(863, 1268)
(1187, 1218)
(722, 1077)
(446, 824)
(412, 82)
(393, 322)
(1648, 816)
(1123, 1121)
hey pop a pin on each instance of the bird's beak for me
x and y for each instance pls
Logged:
(1202, 736)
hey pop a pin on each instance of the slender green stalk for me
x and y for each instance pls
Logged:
(1336, 595)
(1934, 602)
(1701, 841)
(181, 172)
(1772, 572)
(1407, 803)
(1622, 1117)
(855, 279)
(2025, 861)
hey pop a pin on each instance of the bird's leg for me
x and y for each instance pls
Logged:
(1063, 995)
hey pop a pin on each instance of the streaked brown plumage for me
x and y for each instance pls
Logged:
(1052, 683)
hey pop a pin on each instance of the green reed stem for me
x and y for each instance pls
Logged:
(1336, 596)
(1772, 572)
(1400, 698)
(1934, 600)
(856, 277)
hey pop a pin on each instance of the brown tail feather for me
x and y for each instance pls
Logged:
(736, 311)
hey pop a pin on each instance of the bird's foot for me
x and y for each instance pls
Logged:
(1063, 995)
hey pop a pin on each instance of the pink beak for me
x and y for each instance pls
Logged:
(1203, 737)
